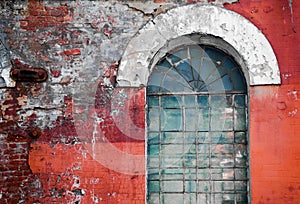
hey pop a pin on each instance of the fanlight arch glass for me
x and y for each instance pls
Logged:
(196, 68)
(197, 129)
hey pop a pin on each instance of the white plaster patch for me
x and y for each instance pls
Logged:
(250, 43)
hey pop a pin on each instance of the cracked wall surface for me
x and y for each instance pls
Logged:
(79, 138)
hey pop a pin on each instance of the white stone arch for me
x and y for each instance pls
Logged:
(253, 47)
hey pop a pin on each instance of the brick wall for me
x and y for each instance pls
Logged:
(52, 134)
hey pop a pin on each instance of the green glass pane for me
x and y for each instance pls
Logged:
(222, 137)
(189, 101)
(203, 186)
(203, 120)
(190, 137)
(153, 198)
(153, 138)
(153, 101)
(222, 119)
(203, 174)
(240, 100)
(171, 101)
(202, 101)
(240, 119)
(190, 186)
(153, 119)
(153, 149)
(172, 186)
(172, 137)
(190, 173)
(203, 137)
(171, 119)
(153, 186)
(240, 137)
(191, 119)
(172, 174)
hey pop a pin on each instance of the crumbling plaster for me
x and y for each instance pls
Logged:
(248, 40)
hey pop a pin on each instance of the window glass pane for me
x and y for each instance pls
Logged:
(171, 119)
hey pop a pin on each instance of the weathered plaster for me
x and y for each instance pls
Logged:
(247, 39)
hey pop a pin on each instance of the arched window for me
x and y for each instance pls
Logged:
(197, 128)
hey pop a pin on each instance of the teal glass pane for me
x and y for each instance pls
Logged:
(204, 198)
(171, 85)
(227, 82)
(240, 137)
(164, 65)
(239, 100)
(218, 101)
(222, 119)
(240, 174)
(190, 186)
(240, 119)
(172, 186)
(241, 156)
(241, 198)
(203, 137)
(190, 198)
(153, 101)
(172, 138)
(195, 64)
(222, 174)
(214, 54)
(220, 186)
(171, 101)
(190, 160)
(222, 137)
(171, 119)
(153, 174)
(181, 54)
(189, 101)
(196, 51)
(178, 80)
(168, 198)
(185, 70)
(153, 161)
(153, 119)
(203, 161)
(190, 137)
(169, 161)
(191, 119)
(190, 149)
(207, 68)
(174, 58)
(203, 186)
(153, 138)
(221, 149)
(202, 101)
(172, 149)
(203, 174)
(153, 186)
(153, 149)
(203, 120)
(241, 185)
(239, 83)
(154, 82)
(190, 173)
(229, 64)
(153, 198)
(172, 174)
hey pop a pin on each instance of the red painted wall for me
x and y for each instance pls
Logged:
(65, 162)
